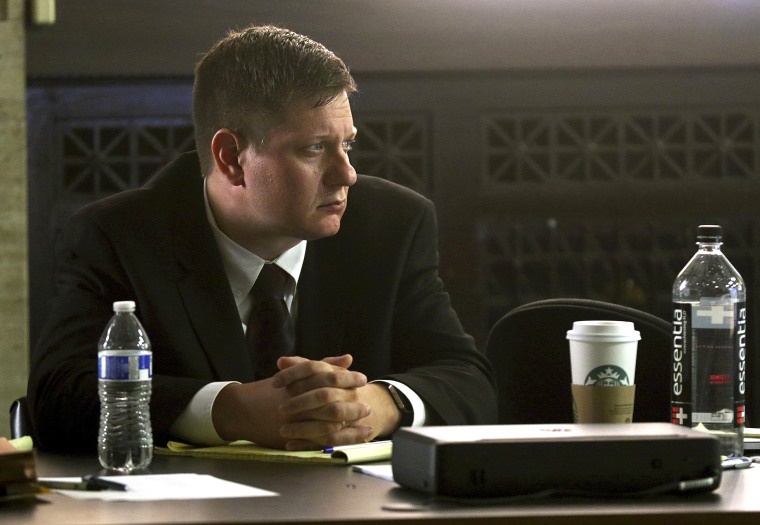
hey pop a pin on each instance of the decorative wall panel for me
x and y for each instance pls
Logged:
(586, 146)
(104, 156)
(394, 147)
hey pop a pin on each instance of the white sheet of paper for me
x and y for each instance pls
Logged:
(379, 471)
(166, 486)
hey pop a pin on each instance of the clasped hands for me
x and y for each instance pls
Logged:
(307, 405)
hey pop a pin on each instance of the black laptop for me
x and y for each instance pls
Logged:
(589, 459)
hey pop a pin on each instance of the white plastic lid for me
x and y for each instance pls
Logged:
(124, 306)
(606, 331)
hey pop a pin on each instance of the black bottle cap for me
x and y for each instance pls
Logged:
(709, 233)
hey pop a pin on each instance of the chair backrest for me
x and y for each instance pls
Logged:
(20, 421)
(531, 358)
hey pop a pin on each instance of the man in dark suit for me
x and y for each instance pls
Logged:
(377, 344)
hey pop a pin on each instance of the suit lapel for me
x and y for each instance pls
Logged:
(213, 314)
(203, 286)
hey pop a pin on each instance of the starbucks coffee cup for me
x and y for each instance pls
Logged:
(603, 366)
(603, 353)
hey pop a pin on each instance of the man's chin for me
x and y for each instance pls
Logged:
(327, 230)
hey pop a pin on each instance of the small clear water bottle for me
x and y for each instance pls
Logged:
(710, 344)
(125, 369)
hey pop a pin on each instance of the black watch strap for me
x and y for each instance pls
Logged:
(403, 405)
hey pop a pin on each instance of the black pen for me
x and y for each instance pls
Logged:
(88, 483)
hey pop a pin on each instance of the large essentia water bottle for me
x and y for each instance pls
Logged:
(125, 369)
(710, 344)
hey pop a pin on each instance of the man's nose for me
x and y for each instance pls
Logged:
(341, 172)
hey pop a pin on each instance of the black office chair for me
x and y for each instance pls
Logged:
(21, 424)
(531, 358)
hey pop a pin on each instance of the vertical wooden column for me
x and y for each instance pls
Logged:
(14, 295)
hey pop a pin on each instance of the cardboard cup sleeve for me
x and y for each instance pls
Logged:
(603, 404)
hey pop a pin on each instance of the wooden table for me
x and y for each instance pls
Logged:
(322, 494)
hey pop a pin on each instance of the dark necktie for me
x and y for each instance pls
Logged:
(270, 329)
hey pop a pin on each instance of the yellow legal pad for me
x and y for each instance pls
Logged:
(246, 450)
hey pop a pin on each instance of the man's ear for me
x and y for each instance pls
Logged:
(226, 146)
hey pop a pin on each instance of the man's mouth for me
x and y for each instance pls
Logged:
(334, 205)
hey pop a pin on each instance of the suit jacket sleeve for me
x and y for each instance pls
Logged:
(439, 360)
(62, 391)
(377, 294)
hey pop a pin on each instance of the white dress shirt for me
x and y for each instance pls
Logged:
(242, 267)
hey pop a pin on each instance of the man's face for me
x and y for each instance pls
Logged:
(297, 181)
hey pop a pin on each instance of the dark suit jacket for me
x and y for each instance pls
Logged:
(371, 290)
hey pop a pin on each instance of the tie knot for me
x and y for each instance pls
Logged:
(272, 280)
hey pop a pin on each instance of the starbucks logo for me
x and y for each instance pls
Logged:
(607, 375)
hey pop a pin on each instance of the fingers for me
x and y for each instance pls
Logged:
(343, 361)
(339, 435)
(325, 404)
(288, 361)
(341, 379)
(302, 375)
(322, 406)
(325, 422)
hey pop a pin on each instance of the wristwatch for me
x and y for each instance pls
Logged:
(403, 405)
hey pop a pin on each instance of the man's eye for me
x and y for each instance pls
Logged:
(348, 145)
(316, 147)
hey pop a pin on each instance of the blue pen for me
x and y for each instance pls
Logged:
(735, 462)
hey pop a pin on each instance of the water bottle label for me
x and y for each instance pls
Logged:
(125, 365)
(708, 363)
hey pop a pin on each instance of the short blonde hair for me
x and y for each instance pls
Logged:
(249, 78)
